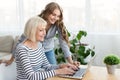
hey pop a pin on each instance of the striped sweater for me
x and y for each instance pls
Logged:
(32, 64)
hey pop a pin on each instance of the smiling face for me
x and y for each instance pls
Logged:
(52, 13)
(55, 16)
(40, 33)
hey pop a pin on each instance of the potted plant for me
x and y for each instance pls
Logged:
(111, 61)
(80, 50)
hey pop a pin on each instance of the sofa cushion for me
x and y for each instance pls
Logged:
(6, 43)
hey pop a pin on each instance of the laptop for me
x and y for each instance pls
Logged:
(81, 71)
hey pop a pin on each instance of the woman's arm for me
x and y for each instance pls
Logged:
(76, 63)
(7, 62)
(66, 50)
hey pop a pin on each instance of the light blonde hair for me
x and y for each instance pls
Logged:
(31, 27)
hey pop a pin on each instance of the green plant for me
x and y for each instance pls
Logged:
(79, 50)
(112, 59)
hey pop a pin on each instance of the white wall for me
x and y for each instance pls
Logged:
(104, 44)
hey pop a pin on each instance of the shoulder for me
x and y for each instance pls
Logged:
(22, 38)
(54, 27)
(40, 44)
(20, 48)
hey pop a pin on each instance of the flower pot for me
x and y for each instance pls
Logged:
(111, 69)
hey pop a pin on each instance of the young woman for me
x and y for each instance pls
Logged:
(53, 15)
(30, 58)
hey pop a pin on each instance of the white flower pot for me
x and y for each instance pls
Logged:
(111, 69)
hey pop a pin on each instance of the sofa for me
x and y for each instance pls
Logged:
(7, 43)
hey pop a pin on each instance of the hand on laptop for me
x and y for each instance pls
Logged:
(64, 71)
(68, 65)
(67, 69)
(76, 63)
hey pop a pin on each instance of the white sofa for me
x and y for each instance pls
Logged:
(7, 43)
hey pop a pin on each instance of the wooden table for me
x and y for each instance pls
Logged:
(95, 73)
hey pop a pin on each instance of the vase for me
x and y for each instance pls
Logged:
(111, 69)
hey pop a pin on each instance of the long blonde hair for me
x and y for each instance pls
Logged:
(49, 10)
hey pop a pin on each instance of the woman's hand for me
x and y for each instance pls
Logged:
(68, 65)
(7, 62)
(1, 61)
(64, 70)
(76, 63)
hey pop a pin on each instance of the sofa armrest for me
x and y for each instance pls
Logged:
(6, 43)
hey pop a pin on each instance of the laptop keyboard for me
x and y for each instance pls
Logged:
(80, 72)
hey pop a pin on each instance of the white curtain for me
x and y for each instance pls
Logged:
(94, 16)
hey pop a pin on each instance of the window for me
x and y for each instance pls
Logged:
(74, 14)
(94, 16)
(105, 16)
(9, 19)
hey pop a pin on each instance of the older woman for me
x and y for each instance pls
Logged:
(31, 61)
